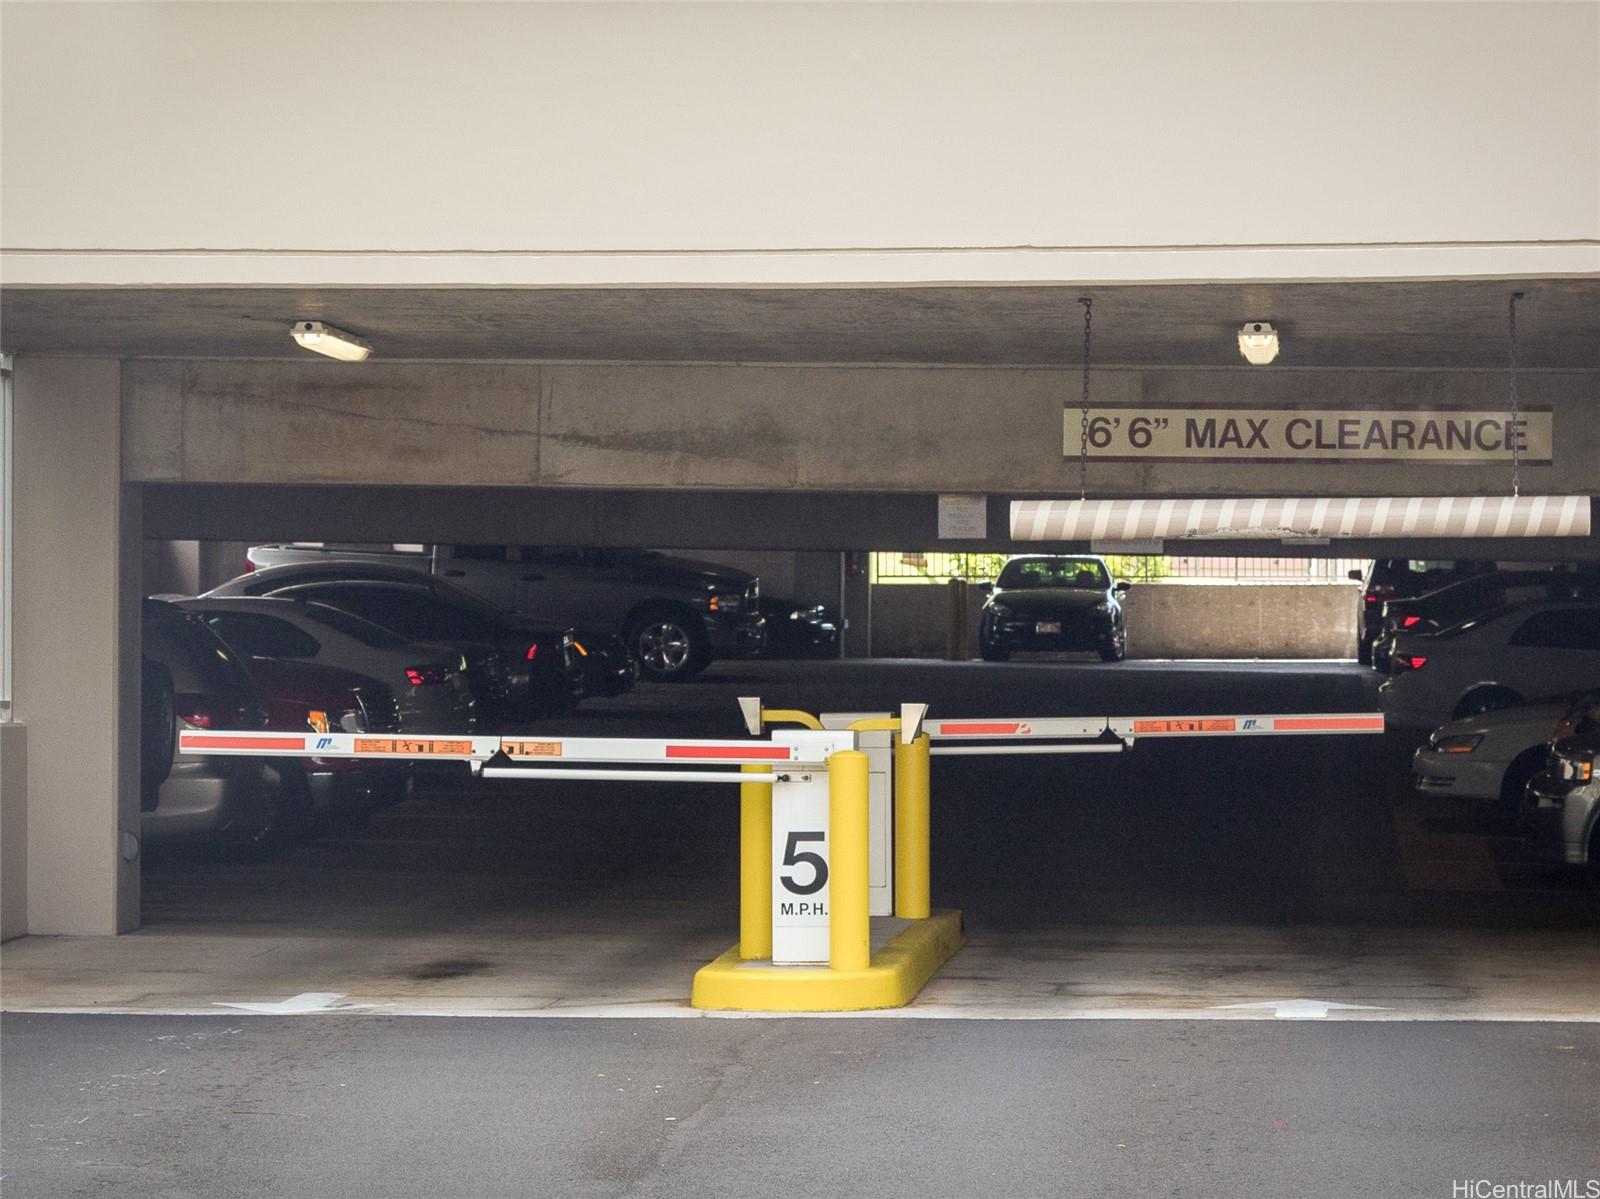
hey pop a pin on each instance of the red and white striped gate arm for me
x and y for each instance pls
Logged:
(1298, 723)
(1112, 734)
(526, 756)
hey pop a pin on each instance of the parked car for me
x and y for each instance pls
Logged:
(429, 681)
(1493, 661)
(674, 614)
(1488, 757)
(538, 660)
(302, 695)
(1561, 807)
(192, 680)
(1401, 578)
(1053, 602)
(1425, 615)
(797, 630)
(608, 668)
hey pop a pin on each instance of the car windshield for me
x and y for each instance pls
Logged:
(1085, 573)
(351, 625)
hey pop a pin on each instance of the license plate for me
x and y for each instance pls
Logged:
(1047, 626)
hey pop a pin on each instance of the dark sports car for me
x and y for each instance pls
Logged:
(796, 630)
(1050, 602)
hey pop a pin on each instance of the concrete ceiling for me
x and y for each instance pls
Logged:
(1431, 324)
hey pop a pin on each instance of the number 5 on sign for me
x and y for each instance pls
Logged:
(800, 870)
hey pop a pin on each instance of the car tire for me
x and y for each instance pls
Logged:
(1115, 649)
(1515, 781)
(669, 646)
(284, 821)
(1485, 699)
(158, 727)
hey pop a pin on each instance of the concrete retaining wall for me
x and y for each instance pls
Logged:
(1164, 621)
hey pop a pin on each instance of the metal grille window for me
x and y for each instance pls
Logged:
(913, 567)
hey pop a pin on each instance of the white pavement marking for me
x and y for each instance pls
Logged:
(1299, 1009)
(306, 1001)
(596, 967)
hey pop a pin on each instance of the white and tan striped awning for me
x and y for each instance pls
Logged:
(1243, 520)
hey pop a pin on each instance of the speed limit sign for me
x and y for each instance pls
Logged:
(800, 869)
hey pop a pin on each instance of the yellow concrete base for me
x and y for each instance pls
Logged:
(898, 971)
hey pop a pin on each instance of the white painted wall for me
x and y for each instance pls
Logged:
(998, 141)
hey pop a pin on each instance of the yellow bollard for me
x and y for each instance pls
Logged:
(755, 866)
(912, 830)
(849, 921)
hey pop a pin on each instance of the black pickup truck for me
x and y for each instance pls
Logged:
(674, 614)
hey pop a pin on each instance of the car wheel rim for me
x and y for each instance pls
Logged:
(664, 647)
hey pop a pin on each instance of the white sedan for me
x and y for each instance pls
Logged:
(1502, 658)
(1488, 757)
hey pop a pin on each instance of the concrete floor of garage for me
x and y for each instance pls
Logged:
(1154, 890)
(1175, 880)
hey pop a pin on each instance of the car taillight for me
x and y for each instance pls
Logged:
(200, 720)
(423, 676)
(1378, 593)
(578, 645)
(1408, 662)
(533, 651)
(1409, 621)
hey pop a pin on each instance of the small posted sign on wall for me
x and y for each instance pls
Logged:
(963, 517)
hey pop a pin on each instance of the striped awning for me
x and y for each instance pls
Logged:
(1247, 519)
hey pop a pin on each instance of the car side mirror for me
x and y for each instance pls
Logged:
(1354, 576)
(1122, 587)
(986, 588)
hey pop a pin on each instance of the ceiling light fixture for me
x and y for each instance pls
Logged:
(1258, 342)
(325, 339)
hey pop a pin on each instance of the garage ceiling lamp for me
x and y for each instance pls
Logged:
(1258, 342)
(325, 339)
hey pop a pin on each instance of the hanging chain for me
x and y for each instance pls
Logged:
(1511, 429)
(1083, 427)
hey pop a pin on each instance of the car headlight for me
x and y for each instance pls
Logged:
(1000, 610)
(1464, 743)
(1575, 770)
(726, 603)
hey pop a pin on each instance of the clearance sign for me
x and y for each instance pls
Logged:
(1178, 434)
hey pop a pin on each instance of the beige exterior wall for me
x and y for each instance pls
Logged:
(76, 579)
(608, 144)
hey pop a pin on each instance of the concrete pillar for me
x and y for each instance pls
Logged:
(856, 596)
(13, 830)
(76, 681)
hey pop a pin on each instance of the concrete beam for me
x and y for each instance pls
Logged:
(781, 428)
(694, 520)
